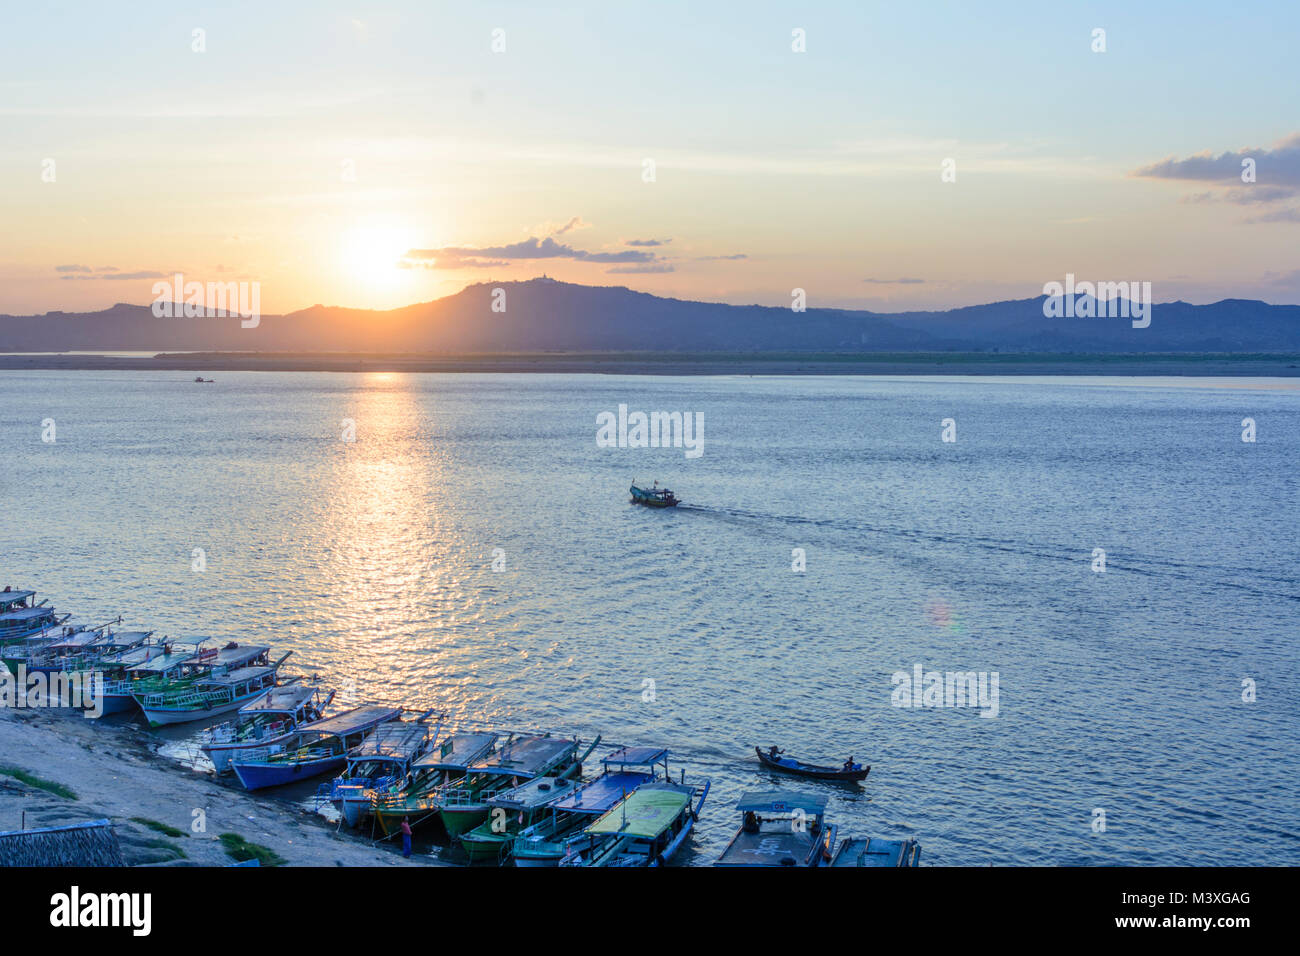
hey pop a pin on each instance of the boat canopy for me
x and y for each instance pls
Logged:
(238, 675)
(597, 796)
(537, 792)
(282, 699)
(73, 641)
(349, 722)
(526, 756)
(233, 655)
(10, 598)
(457, 752)
(163, 663)
(396, 740)
(26, 613)
(781, 801)
(127, 638)
(645, 814)
(132, 657)
(637, 756)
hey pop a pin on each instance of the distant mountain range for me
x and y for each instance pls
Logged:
(546, 315)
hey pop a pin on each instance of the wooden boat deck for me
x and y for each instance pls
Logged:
(526, 756)
(458, 752)
(770, 846)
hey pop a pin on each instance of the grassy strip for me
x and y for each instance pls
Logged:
(22, 776)
(157, 827)
(176, 852)
(240, 850)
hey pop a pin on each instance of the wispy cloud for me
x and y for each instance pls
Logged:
(641, 267)
(1275, 171)
(895, 281)
(454, 257)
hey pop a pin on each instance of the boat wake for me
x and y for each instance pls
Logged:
(1205, 574)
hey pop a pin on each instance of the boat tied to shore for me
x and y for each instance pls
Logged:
(248, 675)
(781, 828)
(312, 750)
(463, 804)
(545, 842)
(646, 829)
(380, 763)
(431, 773)
(268, 720)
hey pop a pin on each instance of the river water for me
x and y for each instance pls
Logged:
(473, 549)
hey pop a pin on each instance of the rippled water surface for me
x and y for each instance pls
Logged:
(373, 561)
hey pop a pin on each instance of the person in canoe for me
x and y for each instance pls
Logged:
(849, 764)
(773, 752)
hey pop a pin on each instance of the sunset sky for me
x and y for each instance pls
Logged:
(375, 155)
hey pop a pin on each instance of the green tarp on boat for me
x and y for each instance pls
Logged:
(645, 813)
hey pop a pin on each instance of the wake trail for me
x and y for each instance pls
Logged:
(1144, 565)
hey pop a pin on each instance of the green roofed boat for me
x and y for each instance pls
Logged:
(545, 842)
(464, 804)
(431, 774)
(646, 829)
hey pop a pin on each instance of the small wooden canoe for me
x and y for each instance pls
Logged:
(812, 771)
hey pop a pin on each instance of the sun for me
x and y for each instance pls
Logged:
(371, 253)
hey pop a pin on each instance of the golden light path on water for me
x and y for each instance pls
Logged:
(396, 570)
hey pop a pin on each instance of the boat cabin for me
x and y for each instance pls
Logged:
(780, 828)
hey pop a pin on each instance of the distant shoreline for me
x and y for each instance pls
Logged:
(681, 363)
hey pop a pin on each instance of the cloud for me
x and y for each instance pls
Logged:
(72, 269)
(895, 281)
(1277, 166)
(738, 255)
(114, 274)
(641, 267)
(1282, 214)
(574, 223)
(647, 242)
(1277, 177)
(458, 257)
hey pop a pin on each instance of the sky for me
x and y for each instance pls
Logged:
(373, 155)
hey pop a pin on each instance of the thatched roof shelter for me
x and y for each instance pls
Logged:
(80, 844)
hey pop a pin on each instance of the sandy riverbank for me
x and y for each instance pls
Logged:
(679, 363)
(111, 768)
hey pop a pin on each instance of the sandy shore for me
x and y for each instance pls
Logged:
(112, 769)
(679, 363)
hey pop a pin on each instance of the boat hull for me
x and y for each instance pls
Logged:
(163, 716)
(259, 776)
(810, 771)
(459, 820)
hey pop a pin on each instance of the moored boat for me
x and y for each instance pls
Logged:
(781, 828)
(380, 763)
(654, 496)
(646, 829)
(545, 842)
(215, 693)
(512, 810)
(463, 804)
(271, 719)
(165, 665)
(22, 617)
(440, 768)
(871, 851)
(317, 748)
(774, 759)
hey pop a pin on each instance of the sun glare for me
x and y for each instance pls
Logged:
(371, 253)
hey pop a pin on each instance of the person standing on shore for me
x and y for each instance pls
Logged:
(406, 836)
